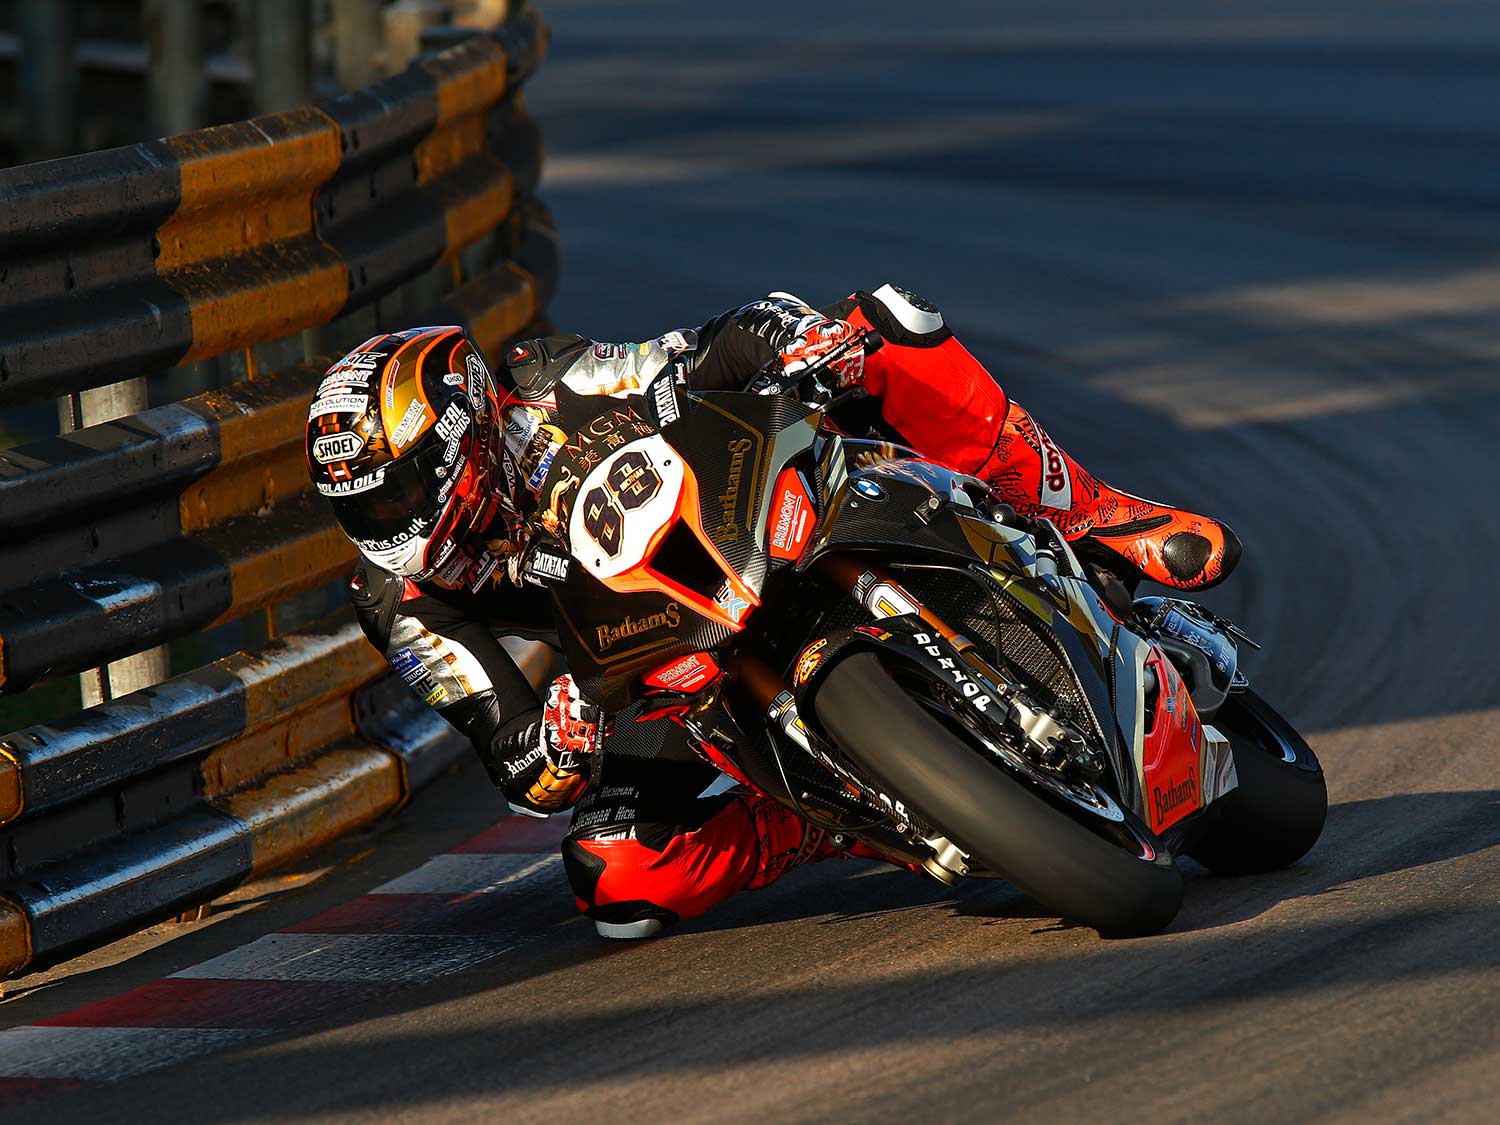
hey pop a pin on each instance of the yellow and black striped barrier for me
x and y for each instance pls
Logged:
(154, 527)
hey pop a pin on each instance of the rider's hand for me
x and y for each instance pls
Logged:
(817, 338)
(572, 726)
(571, 731)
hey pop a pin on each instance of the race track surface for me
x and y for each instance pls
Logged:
(1243, 256)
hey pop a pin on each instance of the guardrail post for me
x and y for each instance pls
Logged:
(49, 80)
(283, 55)
(175, 76)
(89, 408)
(359, 42)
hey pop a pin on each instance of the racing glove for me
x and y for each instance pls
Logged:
(548, 761)
(816, 337)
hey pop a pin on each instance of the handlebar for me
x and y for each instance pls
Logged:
(773, 380)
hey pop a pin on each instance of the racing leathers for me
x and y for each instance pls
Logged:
(654, 838)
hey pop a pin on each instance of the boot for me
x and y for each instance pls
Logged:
(1127, 534)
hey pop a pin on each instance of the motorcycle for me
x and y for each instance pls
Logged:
(878, 643)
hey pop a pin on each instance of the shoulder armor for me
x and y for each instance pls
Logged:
(376, 595)
(533, 367)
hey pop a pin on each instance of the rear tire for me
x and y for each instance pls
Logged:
(1276, 813)
(969, 797)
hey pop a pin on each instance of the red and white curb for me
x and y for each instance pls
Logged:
(454, 912)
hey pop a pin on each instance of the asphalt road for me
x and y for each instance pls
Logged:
(1244, 256)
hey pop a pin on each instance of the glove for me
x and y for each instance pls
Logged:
(817, 337)
(573, 727)
(545, 766)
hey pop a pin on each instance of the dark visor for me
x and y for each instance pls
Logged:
(406, 502)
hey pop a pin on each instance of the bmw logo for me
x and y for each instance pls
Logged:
(869, 489)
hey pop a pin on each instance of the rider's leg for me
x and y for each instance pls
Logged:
(647, 850)
(946, 404)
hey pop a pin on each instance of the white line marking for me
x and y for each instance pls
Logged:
(104, 1054)
(474, 874)
(358, 957)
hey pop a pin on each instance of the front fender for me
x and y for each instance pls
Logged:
(906, 640)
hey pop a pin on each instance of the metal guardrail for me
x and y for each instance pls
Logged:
(120, 536)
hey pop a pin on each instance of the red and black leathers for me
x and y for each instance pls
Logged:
(646, 848)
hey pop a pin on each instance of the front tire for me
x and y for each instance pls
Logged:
(1276, 813)
(995, 818)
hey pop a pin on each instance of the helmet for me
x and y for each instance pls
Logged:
(402, 439)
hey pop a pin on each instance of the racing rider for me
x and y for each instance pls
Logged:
(433, 469)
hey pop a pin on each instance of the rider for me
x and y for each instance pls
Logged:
(432, 469)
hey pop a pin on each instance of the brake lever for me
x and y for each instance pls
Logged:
(771, 380)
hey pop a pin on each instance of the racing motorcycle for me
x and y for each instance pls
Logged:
(877, 642)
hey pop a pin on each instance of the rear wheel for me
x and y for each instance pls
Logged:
(1121, 886)
(1276, 813)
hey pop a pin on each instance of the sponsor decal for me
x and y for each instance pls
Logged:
(508, 464)
(973, 692)
(406, 429)
(408, 667)
(1057, 484)
(455, 420)
(679, 341)
(610, 351)
(545, 565)
(783, 713)
(486, 566)
(452, 574)
(517, 766)
(612, 429)
(354, 485)
(729, 499)
(610, 635)
(1173, 796)
(339, 404)
(1056, 487)
(521, 425)
(539, 474)
(448, 547)
(687, 674)
(884, 599)
(808, 662)
(454, 378)
(416, 527)
(734, 606)
(792, 517)
(337, 447)
(415, 675)
(664, 395)
(478, 376)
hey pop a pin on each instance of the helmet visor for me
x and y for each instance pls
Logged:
(409, 499)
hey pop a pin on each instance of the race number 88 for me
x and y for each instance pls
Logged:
(632, 481)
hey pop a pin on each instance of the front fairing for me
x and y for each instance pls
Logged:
(686, 576)
(910, 508)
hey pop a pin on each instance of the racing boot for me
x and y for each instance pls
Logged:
(1128, 535)
(944, 403)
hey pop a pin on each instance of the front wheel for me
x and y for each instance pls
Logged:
(963, 792)
(1276, 813)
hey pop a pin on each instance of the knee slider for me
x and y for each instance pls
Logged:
(904, 318)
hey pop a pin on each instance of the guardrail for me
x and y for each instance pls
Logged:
(411, 199)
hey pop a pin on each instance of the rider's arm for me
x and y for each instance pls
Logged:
(455, 665)
(735, 345)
